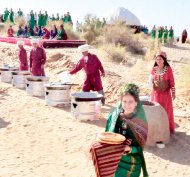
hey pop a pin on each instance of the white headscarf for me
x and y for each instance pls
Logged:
(34, 41)
(20, 42)
(84, 48)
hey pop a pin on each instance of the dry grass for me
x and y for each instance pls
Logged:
(183, 80)
(89, 30)
(114, 53)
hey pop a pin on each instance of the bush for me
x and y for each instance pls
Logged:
(120, 34)
(114, 53)
(91, 28)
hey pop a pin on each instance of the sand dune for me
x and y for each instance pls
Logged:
(42, 141)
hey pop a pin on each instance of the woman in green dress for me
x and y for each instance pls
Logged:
(32, 20)
(129, 120)
(6, 15)
(11, 16)
(61, 34)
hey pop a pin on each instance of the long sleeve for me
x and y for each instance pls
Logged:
(100, 67)
(78, 67)
(171, 81)
(43, 56)
(23, 56)
(30, 59)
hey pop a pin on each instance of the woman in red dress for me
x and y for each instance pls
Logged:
(164, 86)
(10, 32)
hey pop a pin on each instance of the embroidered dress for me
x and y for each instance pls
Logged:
(164, 85)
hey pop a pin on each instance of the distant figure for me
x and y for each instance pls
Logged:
(103, 22)
(37, 59)
(171, 35)
(10, 32)
(6, 15)
(153, 32)
(20, 32)
(78, 27)
(11, 16)
(61, 35)
(39, 31)
(57, 17)
(160, 33)
(35, 31)
(52, 17)
(32, 19)
(45, 19)
(40, 19)
(46, 33)
(25, 34)
(53, 32)
(20, 13)
(165, 34)
(184, 36)
(22, 55)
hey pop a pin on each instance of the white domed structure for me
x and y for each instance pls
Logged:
(121, 14)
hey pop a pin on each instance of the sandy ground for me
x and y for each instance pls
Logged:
(37, 140)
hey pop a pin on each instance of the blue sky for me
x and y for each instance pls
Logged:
(150, 12)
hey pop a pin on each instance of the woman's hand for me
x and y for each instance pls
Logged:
(127, 149)
(173, 96)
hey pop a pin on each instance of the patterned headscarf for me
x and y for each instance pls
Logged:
(138, 124)
(129, 89)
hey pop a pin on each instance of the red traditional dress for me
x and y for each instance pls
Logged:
(46, 34)
(10, 32)
(92, 68)
(163, 96)
(184, 36)
(22, 55)
(37, 59)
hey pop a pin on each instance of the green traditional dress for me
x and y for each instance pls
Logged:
(40, 19)
(165, 35)
(61, 34)
(160, 33)
(135, 128)
(32, 20)
(153, 33)
(20, 32)
(45, 19)
(57, 18)
(30, 32)
(171, 36)
(6, 14)
(52, 18)
(20, 13)
(11, 16)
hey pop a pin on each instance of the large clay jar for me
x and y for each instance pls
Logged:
(158, 125)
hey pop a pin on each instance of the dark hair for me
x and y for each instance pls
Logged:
(165, 60)
(136, 98)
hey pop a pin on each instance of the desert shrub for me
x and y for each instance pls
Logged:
(114, 53)
(120, 34)
(91, 28)
(20, 21)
